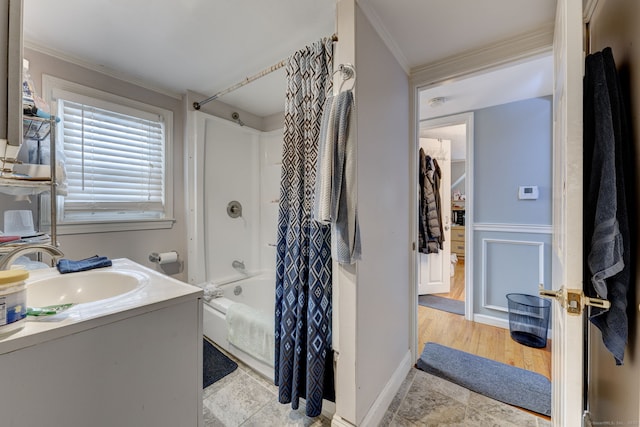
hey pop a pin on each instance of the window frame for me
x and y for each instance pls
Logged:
(52, 88)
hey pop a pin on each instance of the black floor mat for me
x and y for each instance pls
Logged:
(215, 365)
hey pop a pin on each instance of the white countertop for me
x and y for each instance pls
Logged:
(157, 291)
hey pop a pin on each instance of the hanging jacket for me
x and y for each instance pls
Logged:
(437, 179)
(423, 238)
(430, 236)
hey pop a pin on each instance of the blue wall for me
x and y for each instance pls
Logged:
(512, 147)
(512, 237)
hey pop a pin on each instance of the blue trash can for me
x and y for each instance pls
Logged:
(529, 319)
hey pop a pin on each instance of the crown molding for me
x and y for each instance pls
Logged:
(382, 31)
(100, 69)
(523, 47)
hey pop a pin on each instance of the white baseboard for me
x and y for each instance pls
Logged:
(328, 408)
(433, 289)
(337, 421)
(501, 323)
(379, 408)
(490, 320)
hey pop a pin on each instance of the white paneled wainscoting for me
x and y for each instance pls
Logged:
(507, 258)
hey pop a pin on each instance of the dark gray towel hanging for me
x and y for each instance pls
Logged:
(607, 244)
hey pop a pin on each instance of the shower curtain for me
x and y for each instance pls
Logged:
(303, 354)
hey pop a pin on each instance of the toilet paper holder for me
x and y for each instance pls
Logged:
(163, 257)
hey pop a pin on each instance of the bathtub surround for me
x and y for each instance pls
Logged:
(217, 150)
(303, 307)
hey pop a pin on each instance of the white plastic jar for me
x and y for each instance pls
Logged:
(13, 300)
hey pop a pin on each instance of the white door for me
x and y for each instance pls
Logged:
(435, 268)
(568, 349)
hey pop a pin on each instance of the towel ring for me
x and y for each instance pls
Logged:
(348, 72)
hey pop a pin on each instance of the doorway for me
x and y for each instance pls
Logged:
(442, 324)
(483, 330)
(449, 140)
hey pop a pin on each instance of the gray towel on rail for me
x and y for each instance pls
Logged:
(336, 177)
(607, 145)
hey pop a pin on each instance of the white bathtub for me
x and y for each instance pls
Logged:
(257, 292)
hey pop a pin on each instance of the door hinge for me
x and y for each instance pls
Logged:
(573, 300)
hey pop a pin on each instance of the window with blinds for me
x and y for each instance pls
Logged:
(117, 171)
(114, 164)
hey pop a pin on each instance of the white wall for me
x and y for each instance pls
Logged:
(382, 96)
(615, 390)
(344, 278)
(379, 286)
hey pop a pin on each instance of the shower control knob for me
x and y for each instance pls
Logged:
(234, 209)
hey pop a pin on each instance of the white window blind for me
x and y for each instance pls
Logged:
(114, 163)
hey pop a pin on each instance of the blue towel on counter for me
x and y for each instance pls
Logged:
(70, 266)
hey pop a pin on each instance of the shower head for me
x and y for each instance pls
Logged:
(236, 117)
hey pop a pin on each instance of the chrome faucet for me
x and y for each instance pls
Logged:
(8, 259)
(238, 265)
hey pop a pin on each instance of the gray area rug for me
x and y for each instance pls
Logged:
(495, 380)
(440, 303)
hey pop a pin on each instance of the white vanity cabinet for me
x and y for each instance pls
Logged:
(141, 366)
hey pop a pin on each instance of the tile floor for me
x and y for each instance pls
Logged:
(244, 398)
(426, 400)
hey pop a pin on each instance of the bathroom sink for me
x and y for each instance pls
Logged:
(82, 287)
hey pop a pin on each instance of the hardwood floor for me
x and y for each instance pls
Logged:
(456, 291)
(482, 340)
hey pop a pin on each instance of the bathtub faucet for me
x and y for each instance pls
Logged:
(238, 265)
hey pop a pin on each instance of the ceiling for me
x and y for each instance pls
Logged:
(209, 45)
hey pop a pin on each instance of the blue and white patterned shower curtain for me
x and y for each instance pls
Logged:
(303, 355)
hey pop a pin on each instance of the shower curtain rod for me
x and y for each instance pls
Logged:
(248, 80)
